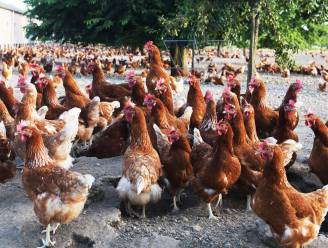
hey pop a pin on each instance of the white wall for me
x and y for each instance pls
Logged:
(11, 27)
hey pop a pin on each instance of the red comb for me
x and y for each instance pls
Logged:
(148, 45)
(130, 75)
(21, 125)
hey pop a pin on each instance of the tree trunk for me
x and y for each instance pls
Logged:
(219, 50)
(179, 65)
(244, 52)
(253, 44)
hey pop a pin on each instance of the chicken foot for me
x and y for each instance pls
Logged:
(131, 212)
(47, 242)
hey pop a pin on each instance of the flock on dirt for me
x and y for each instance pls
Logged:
(167, 142)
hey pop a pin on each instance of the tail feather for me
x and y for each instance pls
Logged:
(88, 180)
(289, 147)
(197, 137)
(271, 140)
(140, 184)
(71, 119)
(3, 129)
(42, 112)
(155, 193)
(187, 114)
(160, 136)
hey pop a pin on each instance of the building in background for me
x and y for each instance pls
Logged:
(12, 25)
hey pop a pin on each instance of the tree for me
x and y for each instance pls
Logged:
(113, 22)
(191, 19)
(255, 24)
(284, 26)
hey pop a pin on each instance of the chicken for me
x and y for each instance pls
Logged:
(286, 122)
(291, 94)
(8, 121)
(293, 217)
(219, 170)
(249, 120)
(141, 164)
(58, 137)
(23, 68)
(7, 71)
(200, 149)
(110, 142)
(285, 73)
(174, 152)
(177, 86)
(161, 116)
(7, 167)
(88, 120)
(7, 171)
(48, 63)
(323, 86)
(39, 81)
(318, 160)
(106, 111)
(310, 69)
(8, 98)
(208, 126)
(74, 97)
(266, 119)
(50, 99)
(215, 79)
(195, 100)
(119, 69)
(158, 81)
(105, 90)
(138, 91)
(251, 164)
(58, 195)
(27, 112)
(59, 145)
(324, 75)
(234, 85)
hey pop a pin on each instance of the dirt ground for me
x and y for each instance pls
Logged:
(104, 223)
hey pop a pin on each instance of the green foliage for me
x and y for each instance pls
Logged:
(285, 25)
(114, 22)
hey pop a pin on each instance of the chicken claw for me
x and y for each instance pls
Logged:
(47, 242)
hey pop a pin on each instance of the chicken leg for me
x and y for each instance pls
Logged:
(248, 203)
(219, 202)
(53, 228)
(175, 207)
(210, 212)
(143, 211)
(47, 242)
